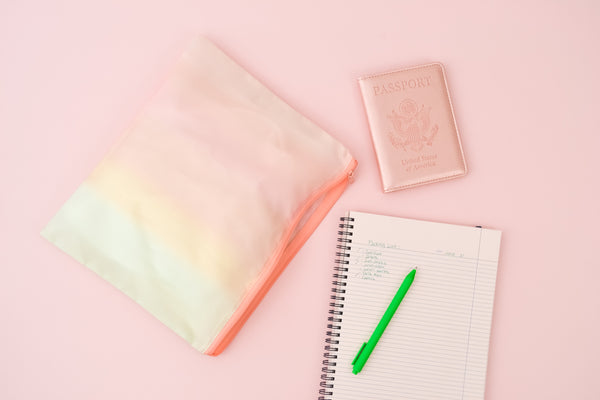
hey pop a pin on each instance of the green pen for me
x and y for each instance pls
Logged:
(367, 348)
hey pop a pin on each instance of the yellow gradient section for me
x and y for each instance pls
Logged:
(157, 213)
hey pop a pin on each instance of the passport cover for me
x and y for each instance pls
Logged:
(413, 126)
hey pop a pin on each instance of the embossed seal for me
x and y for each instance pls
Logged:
(412, 126)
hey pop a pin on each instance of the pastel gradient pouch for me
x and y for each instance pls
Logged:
(205, 199)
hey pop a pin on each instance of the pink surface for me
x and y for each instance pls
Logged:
(525, 87)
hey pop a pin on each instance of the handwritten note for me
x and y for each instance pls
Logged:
(372, 264)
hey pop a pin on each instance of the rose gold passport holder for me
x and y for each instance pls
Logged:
(413, 127)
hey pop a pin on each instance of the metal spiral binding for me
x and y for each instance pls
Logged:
(335, 318)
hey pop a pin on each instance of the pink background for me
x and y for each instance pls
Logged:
(525, 86)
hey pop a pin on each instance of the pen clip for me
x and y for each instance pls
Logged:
(359, 352)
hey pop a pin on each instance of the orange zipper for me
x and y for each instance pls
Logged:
(282, 255)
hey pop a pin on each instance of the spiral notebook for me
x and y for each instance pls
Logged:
(436, 345)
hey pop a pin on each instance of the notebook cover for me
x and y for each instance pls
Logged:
(413, 126)
(436, 344)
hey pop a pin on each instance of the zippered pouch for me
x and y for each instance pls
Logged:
(205, 199)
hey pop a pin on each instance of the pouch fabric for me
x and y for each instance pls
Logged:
(205, 199)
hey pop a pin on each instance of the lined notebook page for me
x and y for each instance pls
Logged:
(436, 345)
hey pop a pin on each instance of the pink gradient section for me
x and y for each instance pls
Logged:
(524, 82)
